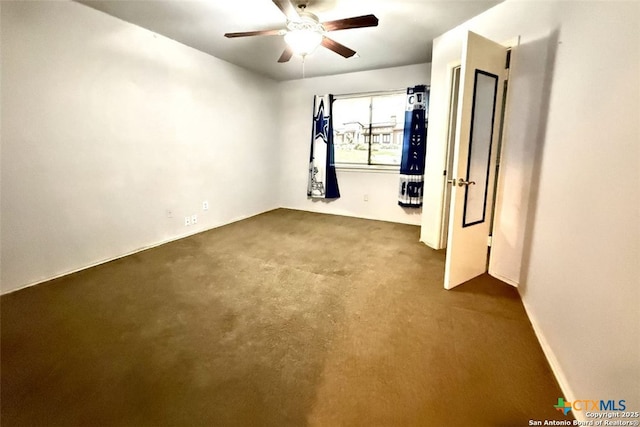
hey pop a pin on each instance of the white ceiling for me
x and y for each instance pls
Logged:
(403, 36)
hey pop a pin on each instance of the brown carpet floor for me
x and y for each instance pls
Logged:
(285, 319)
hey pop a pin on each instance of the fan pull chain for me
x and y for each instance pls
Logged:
(303, 58)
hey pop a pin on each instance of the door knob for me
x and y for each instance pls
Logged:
(462, 182)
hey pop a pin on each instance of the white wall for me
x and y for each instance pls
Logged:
(569, 231)
(107, 126)
(296, 105)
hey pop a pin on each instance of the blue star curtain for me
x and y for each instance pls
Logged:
(323, 182)
(413, 147)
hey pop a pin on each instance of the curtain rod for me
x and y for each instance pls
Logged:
(379, 92)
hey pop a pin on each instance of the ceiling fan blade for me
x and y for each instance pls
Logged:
(348, 23)
(288, 9)
(338, 48)
(256, 33)
(286, 55)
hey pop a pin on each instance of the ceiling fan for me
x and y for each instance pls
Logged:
(304, 31)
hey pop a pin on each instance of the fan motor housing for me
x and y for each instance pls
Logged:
(308, 22)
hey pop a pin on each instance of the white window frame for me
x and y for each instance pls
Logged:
(358, 167)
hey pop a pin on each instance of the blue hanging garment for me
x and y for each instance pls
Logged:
(323, 181)
(414, 147)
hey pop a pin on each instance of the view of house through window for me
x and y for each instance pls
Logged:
(368, 129)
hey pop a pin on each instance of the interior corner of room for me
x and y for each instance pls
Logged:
(116, 140)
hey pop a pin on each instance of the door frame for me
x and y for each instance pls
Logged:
(511, 45)
(453, 70)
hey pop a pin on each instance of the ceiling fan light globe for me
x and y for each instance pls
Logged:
(303, 42)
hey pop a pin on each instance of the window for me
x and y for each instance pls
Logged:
(368, 129)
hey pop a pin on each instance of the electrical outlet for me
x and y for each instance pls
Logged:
(187, 220)
(366, 197)
(194, 219)
(169, 213)
(205, 205)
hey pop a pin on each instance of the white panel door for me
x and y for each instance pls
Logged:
(474, 162)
